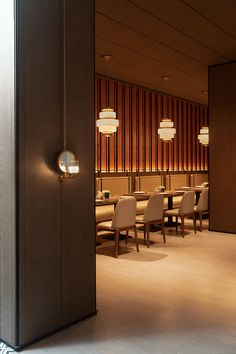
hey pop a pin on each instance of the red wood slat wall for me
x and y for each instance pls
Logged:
(137, 146)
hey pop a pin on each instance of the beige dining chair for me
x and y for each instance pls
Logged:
(123, 220)
(153, 213)
(202, 206)
(186, 209)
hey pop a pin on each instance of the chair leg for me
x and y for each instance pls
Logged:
(148, 234)
(117, 234)
(200, 219)
(126, 236)
(144, 234)
(182, 225)
(176, 225)
(136, 238)
(163, 231)
(194, 223)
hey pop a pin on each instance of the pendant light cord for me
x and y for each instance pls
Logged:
(64, 77)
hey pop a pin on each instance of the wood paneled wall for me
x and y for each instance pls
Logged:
(222, 169)
(137, 146)
(47, 228)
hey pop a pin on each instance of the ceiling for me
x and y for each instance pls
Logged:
(149, 39)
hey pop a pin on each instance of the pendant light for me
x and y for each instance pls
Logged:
(203, 137)
(166, 130)
(107, 123)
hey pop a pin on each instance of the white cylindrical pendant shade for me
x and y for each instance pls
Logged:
(166, 130)
(107, 122)
(203, 137)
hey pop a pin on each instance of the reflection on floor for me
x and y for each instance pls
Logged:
(174, 298)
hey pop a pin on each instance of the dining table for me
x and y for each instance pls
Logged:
(107, 201)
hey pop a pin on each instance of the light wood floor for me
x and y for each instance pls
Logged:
(178, 297)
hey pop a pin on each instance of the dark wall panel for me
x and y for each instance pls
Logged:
(39, 122)
(137, 146)
(7, 175)
(78, 209)
(222, 171)
(56, 220)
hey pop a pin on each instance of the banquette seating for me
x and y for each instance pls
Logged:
(197, 179)
(119, 185)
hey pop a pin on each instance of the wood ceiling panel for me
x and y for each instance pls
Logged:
(117, 33)
(221, 13)
(185, 19)
(147, 65)
(134, 75)
(152, 27)
(153, 38)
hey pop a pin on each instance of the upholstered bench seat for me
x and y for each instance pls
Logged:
(176, 201)
(141, 205)
(104, 213)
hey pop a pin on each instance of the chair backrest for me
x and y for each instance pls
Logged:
(187, 203)
(125, 213)
(203, 201)
(154, 208)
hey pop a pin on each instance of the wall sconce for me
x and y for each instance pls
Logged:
(107, 122)
(68, 165)
(67, 162)
(203, 137)
(166, 130)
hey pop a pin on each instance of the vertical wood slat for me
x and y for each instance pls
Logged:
(98, 135)
(133, 130)
(164, 145)
(116, 135)
(195, 132)
(189, 142)
(141, 149)
(146, 131)
(176, 140)
(184, 135)
(159, 155)
(202, 160)
(198, 145)
(171, 150)
(137, 131)
(127, 128)
(154, 134)
(103, 104)
(111, 140)
(206, 148)
(130, 129)
(119, 135)
(137, 146)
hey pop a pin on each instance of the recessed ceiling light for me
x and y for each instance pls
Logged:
(205, 92)
(166, 77)
(106, 57)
